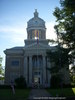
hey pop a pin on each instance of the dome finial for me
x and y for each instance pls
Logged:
(35, 10)
(35, 13)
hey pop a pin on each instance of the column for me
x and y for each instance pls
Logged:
(25, 68)
(44, 70)
(30, 70)
(48, 72)
(41, 79)
(49, 77)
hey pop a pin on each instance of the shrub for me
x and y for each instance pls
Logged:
(55, 81)
(5, 87)
(20, 82)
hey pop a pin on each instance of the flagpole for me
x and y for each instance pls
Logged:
(37, 56)
(37, 37)
(37, 63)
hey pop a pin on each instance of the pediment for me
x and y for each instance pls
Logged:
(39, 46)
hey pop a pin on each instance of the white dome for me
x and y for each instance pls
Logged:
(36, 27)
(36, 22)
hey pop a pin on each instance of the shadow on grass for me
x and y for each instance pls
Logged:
(20, 94)
(65, 92)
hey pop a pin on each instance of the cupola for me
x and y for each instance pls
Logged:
(36, 27)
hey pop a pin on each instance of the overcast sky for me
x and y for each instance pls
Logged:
(14, 15)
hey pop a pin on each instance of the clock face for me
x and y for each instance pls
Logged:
(36, 22)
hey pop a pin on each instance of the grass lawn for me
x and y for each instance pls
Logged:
(67, 92)
(73, 89)
(20, 94)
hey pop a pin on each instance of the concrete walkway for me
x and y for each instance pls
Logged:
(39, 94)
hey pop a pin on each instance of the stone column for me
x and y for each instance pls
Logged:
(49, 77)
(44, 70)
(41, 80)
(30, 70)
(25, 68)
(49, 74)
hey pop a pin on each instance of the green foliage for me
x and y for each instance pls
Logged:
(20, 82)
(20, 94)
(65, 28)
(65, 17)
(70, 4)
(55, 81)
(72, 75)
(0, 65)
(67, 92)
(59, 57)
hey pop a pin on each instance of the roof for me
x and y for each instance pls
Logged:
(14, 50)
(19, 48)
(36, 21)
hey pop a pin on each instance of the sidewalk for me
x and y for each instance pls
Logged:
(39, 94)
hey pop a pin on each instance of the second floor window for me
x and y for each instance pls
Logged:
(15, 62)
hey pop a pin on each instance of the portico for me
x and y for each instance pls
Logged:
(35, 68)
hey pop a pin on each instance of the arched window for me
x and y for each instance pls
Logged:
(35, 34)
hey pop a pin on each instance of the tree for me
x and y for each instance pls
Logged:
(56, 81)
(66, 22)
(20, 82)
(1, 70)
(65, 18)
(59, 56)
(72, 74)
(60, 59)
(0, 65)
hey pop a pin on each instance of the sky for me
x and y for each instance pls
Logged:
(14, 15)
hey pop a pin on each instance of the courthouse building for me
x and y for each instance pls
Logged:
(30, 61)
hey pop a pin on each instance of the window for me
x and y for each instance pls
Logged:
(15, 63)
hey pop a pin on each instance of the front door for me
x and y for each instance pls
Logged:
(36, 81)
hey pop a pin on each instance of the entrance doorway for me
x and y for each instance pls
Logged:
(37, 80)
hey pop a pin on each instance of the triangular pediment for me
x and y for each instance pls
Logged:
(37, 45)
